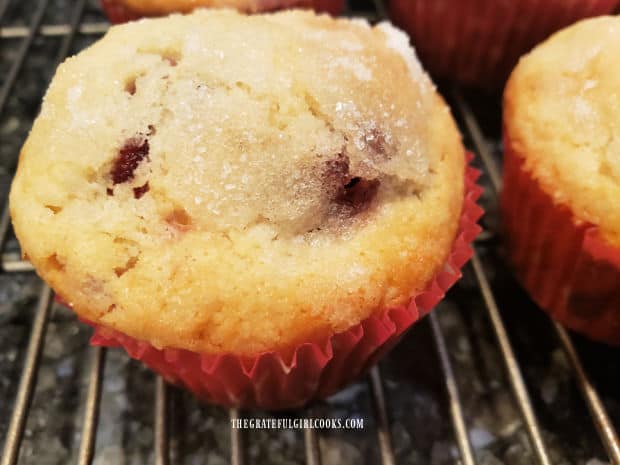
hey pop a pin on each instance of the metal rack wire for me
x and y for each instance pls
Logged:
(13, 264)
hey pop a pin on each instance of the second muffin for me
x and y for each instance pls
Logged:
(561, 198)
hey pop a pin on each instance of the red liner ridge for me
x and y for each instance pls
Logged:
(569, 269)
(315, 370)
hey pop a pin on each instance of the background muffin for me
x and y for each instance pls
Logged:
(562, 176)
(119, 11)
(200, 190)
(477, 42)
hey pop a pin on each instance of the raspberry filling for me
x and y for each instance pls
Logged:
(355, 193)
(129, 157)
(140, 191)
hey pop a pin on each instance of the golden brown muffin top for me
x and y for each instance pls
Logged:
(222, 182)
(562, 112)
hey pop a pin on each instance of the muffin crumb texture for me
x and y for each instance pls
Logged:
(188, 173)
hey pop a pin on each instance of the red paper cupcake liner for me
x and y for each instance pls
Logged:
(568, 268)
(273, 380)
(117, 12)
(478, 42)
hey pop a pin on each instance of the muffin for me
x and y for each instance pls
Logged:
(562, 176)
(478, 42)
(120, 11)
(195, 192)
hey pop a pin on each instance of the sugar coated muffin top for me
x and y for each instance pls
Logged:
(221, 182)
(562, 111)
